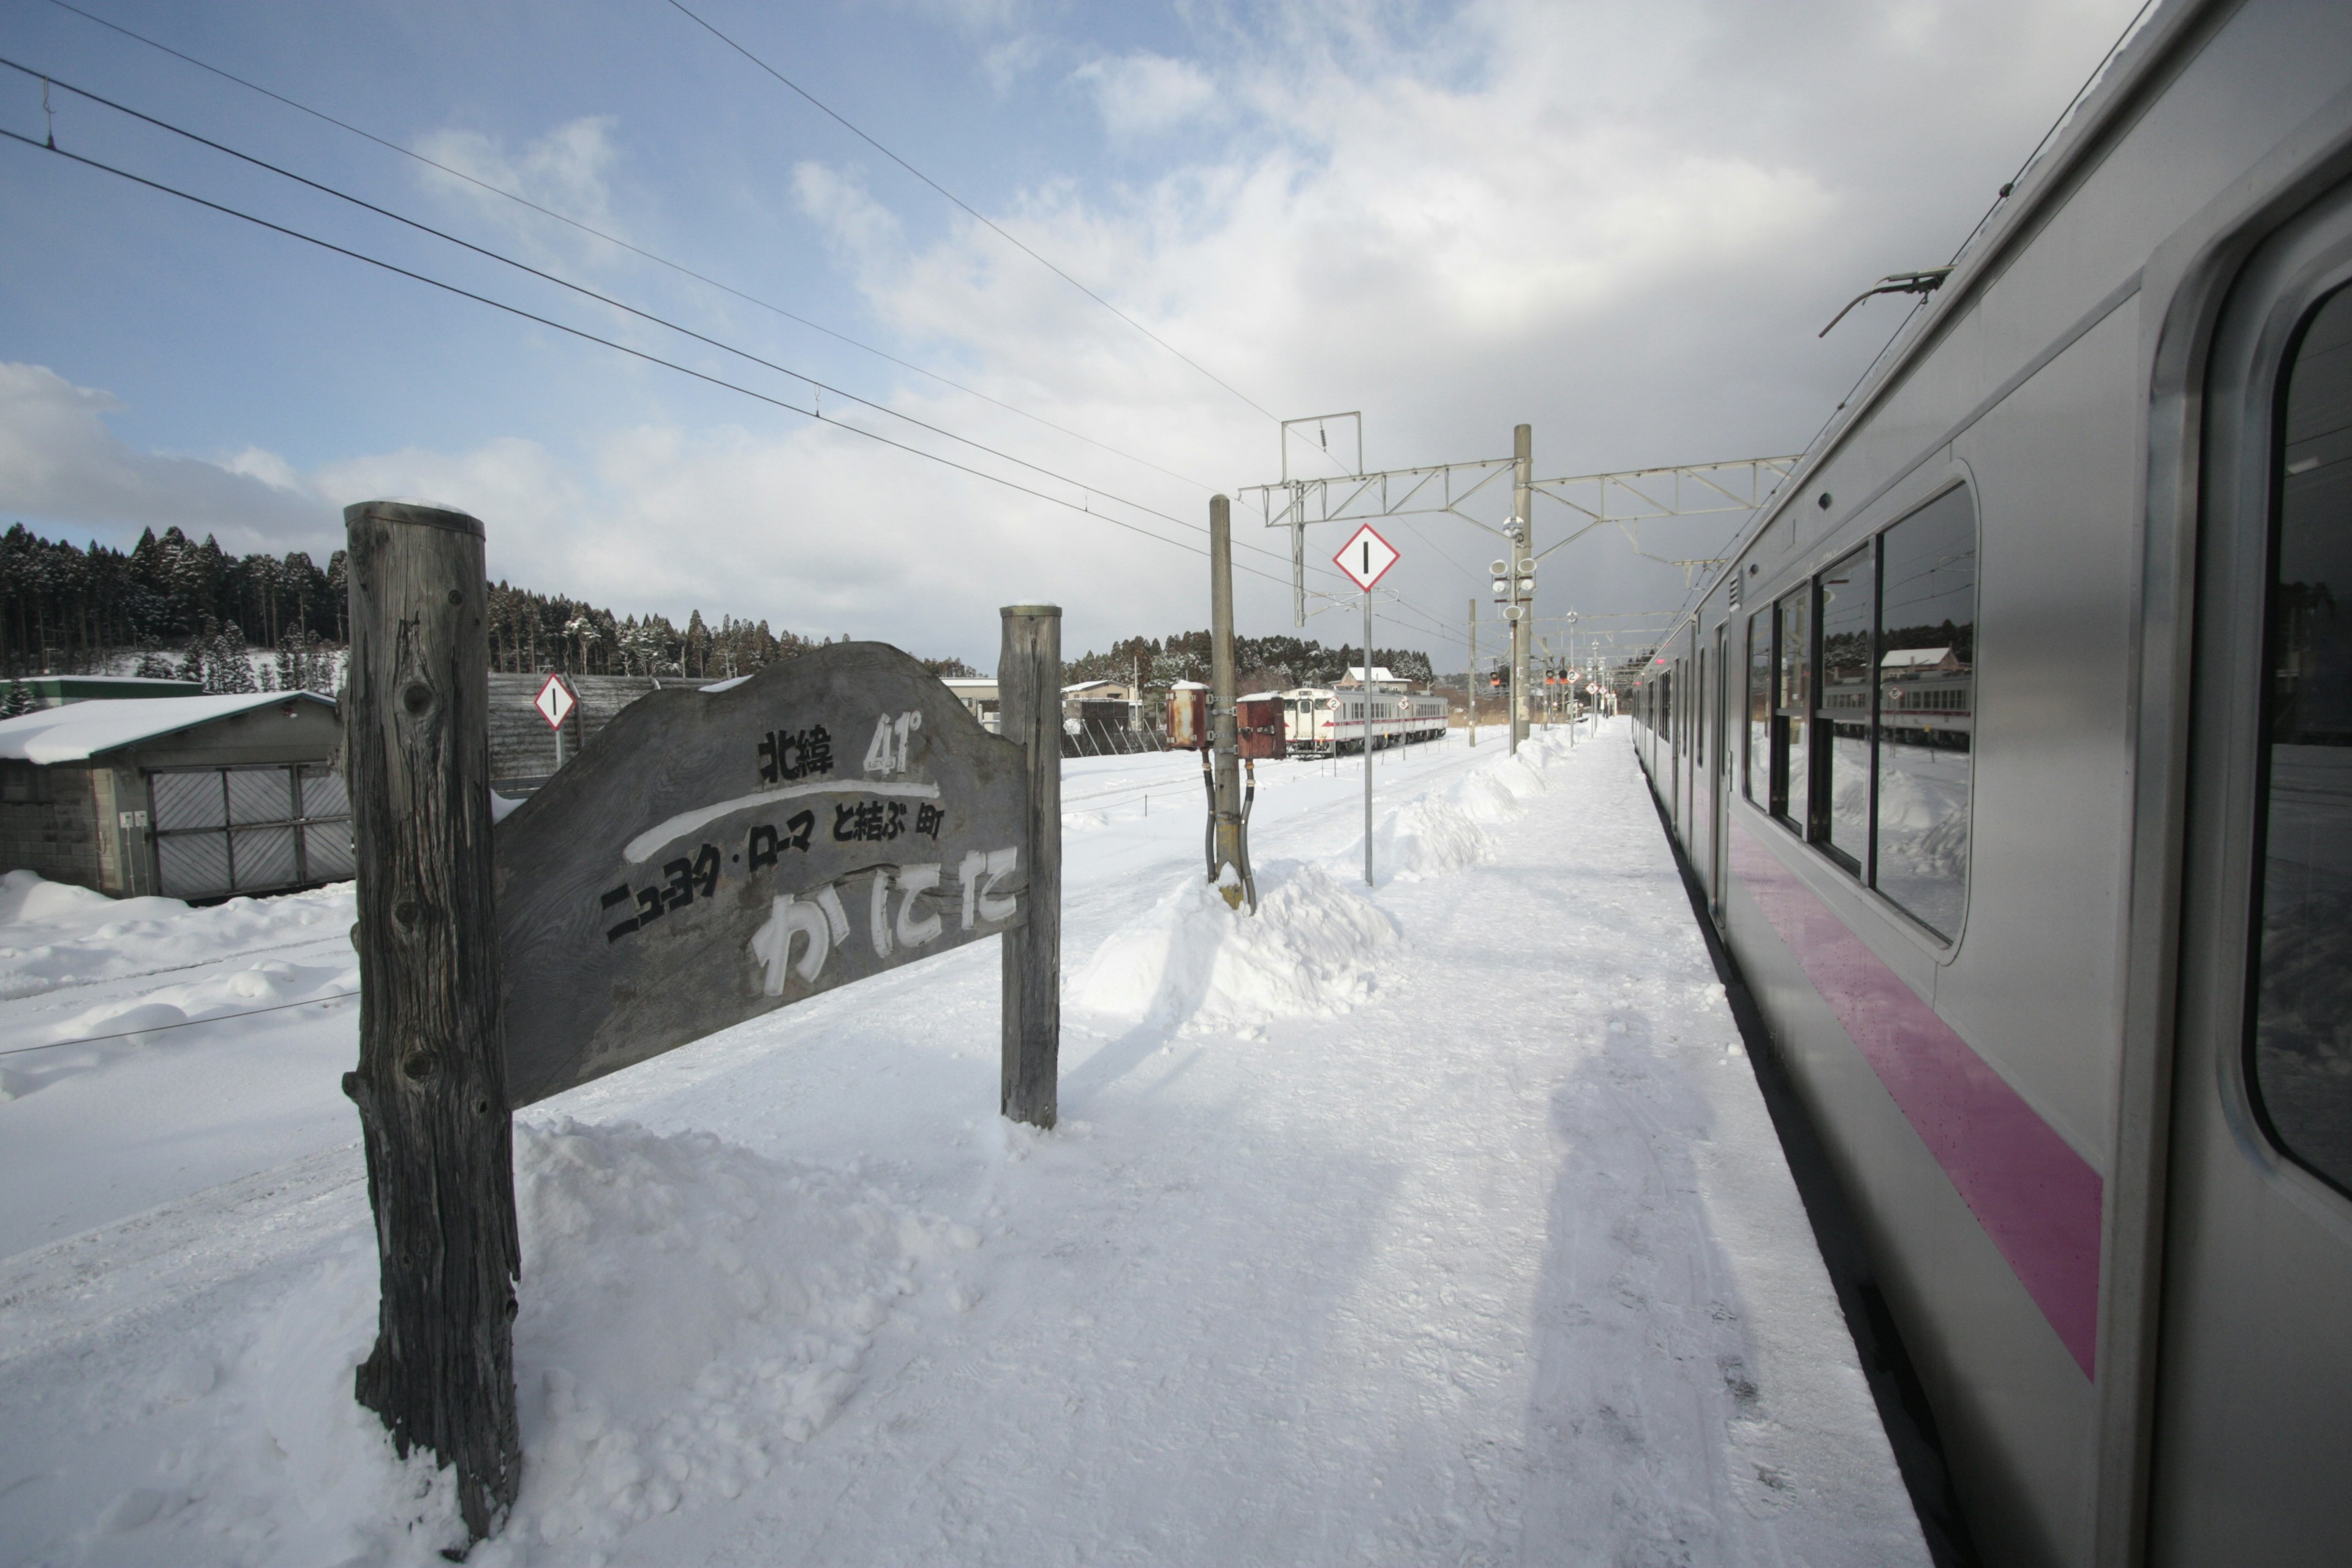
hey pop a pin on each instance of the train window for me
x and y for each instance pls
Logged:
(1849, 630)
(1926, 709)
(1759, 706)
(2300, 1055)
(1791, 778)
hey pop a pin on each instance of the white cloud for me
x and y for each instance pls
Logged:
(1622, 224)
(1141, 93)
(60, 464)
(568, 171)
(1008, 62)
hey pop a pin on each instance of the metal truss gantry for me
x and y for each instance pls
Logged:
(1626, 498)
(1593, 500)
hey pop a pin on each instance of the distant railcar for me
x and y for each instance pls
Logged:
(1322, 721)
(2012, 748)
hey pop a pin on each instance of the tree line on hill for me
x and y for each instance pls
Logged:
(178, 608)
(1260, 664)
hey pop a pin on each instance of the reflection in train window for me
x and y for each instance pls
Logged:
(1759, 706)
(1926, 709)
(2302, 1038)
(1699, 715)
(1791, 774)
(1849, 597)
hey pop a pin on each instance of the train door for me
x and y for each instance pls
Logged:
(1675, 697)
(2253, 1402)
(1719, 811)
(1699, 831)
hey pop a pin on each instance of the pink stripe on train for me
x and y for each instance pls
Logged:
(2036, 1199)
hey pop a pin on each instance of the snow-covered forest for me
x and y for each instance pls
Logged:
(184, 608)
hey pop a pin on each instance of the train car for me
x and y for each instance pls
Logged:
(1322, 721)
(2012, 752)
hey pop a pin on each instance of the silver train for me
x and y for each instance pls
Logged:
(1318, 721)
(2013, 755)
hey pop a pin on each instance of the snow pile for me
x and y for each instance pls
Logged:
(1427, 837)
(691, 1312)
(1314, 949)
(1447, 829)
(54, 936)
(1497, 793)
(689, 1305)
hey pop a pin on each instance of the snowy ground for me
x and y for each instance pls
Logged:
(1435, 1223)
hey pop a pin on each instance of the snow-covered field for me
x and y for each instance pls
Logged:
(1439, 1221)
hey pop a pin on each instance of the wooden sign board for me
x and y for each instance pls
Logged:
(713, 854)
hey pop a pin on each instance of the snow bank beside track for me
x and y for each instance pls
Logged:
(1320, 940)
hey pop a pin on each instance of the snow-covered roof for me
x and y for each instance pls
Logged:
(987, 680)
(1914, 658)
(1188, 685)
(1381, 674)
(1090, 684)
(86, 730)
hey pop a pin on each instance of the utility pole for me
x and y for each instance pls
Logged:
(1224, 737)
(1470, 681)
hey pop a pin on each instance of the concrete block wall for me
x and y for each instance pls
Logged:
(522, 746)
(59, 838)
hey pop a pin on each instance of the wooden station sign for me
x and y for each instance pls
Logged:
(713, 854)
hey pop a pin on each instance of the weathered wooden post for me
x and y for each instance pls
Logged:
(1029, 692)
(431, 1086)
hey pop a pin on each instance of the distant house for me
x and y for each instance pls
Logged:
(57, 690)
(194, 797)
(1383, 679)
(1920, 661)
(979, 698)
(1088, 693)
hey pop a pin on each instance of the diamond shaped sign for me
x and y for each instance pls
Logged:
(1366, 557)
(554, 701)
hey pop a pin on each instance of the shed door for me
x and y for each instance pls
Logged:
(2253, 1435)
(250, 829)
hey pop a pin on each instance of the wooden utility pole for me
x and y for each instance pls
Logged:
(431, 1085)
(1029, 694)
(1223, 722)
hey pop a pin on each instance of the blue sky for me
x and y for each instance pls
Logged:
(1623, 224)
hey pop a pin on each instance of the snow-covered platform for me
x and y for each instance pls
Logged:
(1440, 1222)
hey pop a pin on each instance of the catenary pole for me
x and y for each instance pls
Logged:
(1470, 682)
(1522, 562)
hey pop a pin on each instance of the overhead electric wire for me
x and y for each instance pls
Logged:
(582, 290)
(1088, 490)
(975, 211)
(653, 256)
(182, 1024)
(608, 343)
